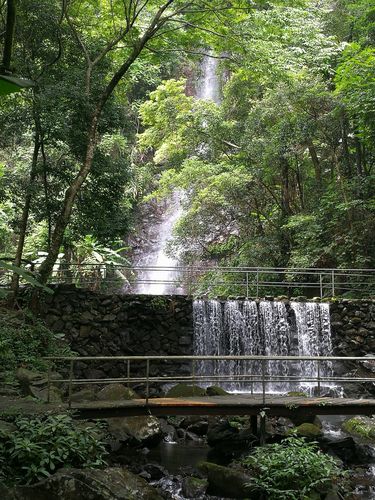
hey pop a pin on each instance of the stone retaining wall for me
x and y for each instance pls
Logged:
(114, 325)
(353, 327)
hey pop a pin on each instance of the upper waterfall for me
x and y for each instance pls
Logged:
(162, 278)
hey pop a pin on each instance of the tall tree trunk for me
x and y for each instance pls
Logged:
(285, 188)
(358, 156)
(25, 213)
(9, 34)
(316, 163)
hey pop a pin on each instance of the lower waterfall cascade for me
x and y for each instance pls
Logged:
(270, 328)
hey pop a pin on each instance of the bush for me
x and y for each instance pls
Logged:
(37, 447)
(292, 470)
(24, 340)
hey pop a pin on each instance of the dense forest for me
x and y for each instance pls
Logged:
(278, 172)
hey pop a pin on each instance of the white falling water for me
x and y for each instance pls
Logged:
(163, 276)
(268, 328)
(314, 337)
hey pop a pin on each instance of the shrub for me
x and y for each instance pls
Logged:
(39, 446)
(24, 340)
(292, 470)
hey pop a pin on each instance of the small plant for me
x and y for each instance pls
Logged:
(292, 470)
(40, 446)
(25, 340)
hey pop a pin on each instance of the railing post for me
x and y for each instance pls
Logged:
(147, 380)
(71, 373)
(193, 371)
(318, 377)
(257, 283)
(128, 373)
(333, 282)
(264, 381)
(321, 285)
(247, 284)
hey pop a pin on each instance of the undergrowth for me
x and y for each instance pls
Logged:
(292, 470)
(37, 447)
(24, 340)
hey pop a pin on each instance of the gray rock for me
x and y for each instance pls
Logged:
(194, 487)
(226, 482)
(115, 392)
(87, 484)
(138, 430)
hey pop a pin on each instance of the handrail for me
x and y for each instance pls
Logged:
(264, 378)
(200, 280)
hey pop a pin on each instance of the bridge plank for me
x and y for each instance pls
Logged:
(235, 404)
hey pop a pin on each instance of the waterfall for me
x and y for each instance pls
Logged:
(269, 328)
(163, 278)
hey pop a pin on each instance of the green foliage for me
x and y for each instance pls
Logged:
(40, 446)
(292, 470)
(360, 426)
(24, 340)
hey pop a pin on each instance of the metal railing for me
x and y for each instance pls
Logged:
(263, 378)
(216, 281)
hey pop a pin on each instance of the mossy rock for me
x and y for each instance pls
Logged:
(116, 392)
(226, 482)
(194, 487)
(215, 390)
(307, 430)
(185, 391)
(86, 484)
(360, 426)
(297, 394)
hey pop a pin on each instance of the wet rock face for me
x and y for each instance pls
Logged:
(78, 484)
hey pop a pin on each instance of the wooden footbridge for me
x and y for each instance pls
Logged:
(255, 379)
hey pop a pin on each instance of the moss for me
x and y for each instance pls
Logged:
(297, 394)
(307, 430)
(360, 426)
(185, 391)
(214, 390)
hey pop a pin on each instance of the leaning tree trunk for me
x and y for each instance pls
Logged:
(71, 193)
(26, 208)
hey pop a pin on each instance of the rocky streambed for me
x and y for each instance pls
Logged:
(187, 457)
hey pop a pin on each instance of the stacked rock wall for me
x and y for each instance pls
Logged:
(115, 325)
(122, 325)
(353, 327)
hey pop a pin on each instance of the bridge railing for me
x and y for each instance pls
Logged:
(142, 364)
(214, 281)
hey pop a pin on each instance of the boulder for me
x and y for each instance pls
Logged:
(35, 384)
(215, 390)
(307, 430)
(185, 391)
(363, 427)
(87, 484)
(194, 487)
(83, 395)
(115, 392)
(226, 482)
(55, 395)
(229, 441)
(136, 430)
